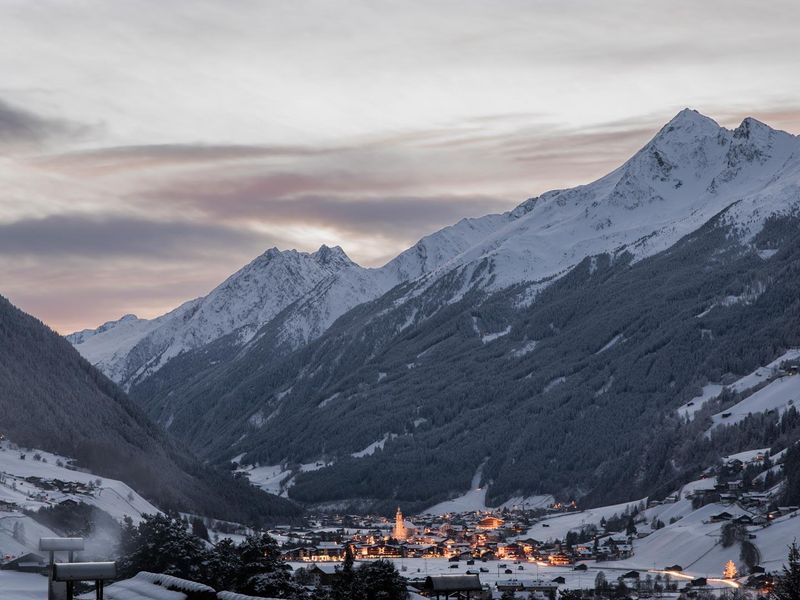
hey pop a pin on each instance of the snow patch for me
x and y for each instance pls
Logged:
(473, 500)
(526, 348)
(490, 337)
(374, 446)
(611, 343)
(328, 400)
(553, 383)
(605, 388)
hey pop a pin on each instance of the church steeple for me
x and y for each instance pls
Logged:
(400, 532)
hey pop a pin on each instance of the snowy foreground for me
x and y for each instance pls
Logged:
(419, 568)
(22, 586)
(416, 568)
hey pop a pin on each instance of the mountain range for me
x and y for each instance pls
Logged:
(548, 347)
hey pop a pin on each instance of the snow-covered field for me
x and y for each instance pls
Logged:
(760, 375)
(778, 395)
(692, 542)
(277, 479)
(557, 527)
(22, 586)
(422, 567)
(114, 497)
(472, 500)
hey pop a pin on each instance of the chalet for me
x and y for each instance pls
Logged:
(761, 581)
(323, 575)
(529, 585)
(559, 559)
(509, 585)
(452, 586)
(27, 563)
(734, 464)
(490, 522)
(630, 579)
(720, 517)
(512, 550)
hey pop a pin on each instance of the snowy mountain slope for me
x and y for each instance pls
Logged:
(355, 380)
(758, 377)
(778, 396)
(114, 497)
(108, 347)
(690, 171)
(324, 285)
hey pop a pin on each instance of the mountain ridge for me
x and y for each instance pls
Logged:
(402, 348)
(689, 154)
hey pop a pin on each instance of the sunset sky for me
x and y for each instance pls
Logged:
(149, 149)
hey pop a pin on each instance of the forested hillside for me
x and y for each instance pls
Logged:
(573, 393)
(51, 398)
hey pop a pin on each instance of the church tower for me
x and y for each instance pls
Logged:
(400, 532)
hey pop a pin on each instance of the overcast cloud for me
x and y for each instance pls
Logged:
(148, 149)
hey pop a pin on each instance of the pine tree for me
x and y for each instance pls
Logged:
(199, 529)
(161, 544)
(378, 580)
(224, 565)
(600, 583)
(343, 584)
(730, 571)
(19, 532)
(787, 584)
(262, 573)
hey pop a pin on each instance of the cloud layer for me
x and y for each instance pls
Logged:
(147, 150)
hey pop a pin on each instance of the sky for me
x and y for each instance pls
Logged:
(149, 149)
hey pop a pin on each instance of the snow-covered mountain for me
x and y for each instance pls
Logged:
(557, 339)
(309, 291)
(690, 171)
